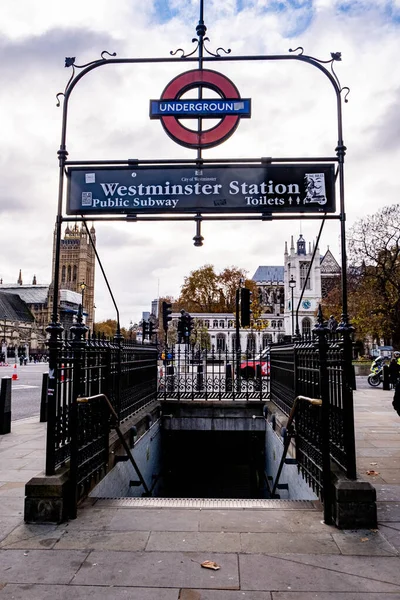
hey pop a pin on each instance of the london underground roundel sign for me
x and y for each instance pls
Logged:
(229, 108)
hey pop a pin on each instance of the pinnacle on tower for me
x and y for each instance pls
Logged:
(20, 278)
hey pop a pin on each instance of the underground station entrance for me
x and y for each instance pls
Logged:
(222, 439)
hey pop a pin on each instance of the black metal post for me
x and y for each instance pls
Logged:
(43, 398)
(55, 345)
(322, 347)
(78, 344)
(238, 347)
(5, 405)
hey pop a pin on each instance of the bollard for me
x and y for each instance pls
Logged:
(43, 398)
(386, 378)
(199, 378)
(5, 405)
(228, 380)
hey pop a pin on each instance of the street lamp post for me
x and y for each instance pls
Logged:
(292, 285)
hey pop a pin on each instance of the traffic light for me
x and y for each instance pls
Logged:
(190, 325)
(151, 328)
(166, 314)
(245, 307)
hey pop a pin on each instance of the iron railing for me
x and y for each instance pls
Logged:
(318, 366)
(190, 374)
(124, 371)
(95, 415)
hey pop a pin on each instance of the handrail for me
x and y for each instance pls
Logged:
(83, 400)
(290, 433)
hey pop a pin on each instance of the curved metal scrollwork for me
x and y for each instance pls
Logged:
(335, 57)
(70, 62)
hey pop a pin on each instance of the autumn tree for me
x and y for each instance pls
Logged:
(204, 290)
(109, 328)
(374, 277)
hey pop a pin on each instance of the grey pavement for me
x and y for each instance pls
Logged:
(128, 553)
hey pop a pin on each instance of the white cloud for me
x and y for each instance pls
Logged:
(293, 115)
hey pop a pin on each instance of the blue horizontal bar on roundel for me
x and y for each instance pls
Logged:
(205, 108)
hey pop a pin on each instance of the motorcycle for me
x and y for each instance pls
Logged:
(376, 376)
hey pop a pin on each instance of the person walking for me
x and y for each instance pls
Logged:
(394, 368)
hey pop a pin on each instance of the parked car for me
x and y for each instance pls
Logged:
(248, 367)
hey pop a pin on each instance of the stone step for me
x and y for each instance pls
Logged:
(204, 503)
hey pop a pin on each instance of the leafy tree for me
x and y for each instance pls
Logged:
(109, 328)
(374, 277)
(204, 290)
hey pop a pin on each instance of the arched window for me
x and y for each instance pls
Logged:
(234, 342)
(207, 324)
(69, 273)
(251, 342)
(75, 273)
(303, 274)
(222, 324)
(215, 324)
(266, 340)
(306, 326)
(230, 323)
(63, 272)
(221, 341)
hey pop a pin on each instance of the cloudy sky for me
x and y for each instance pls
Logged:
(293, 114)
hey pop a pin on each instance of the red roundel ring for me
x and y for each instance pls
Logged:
(195, 79)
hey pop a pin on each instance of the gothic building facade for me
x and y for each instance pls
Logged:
(76, 286)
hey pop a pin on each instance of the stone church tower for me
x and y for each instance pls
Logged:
(297, 262)
(77, 267)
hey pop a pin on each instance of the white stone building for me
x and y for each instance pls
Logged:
(275, 296)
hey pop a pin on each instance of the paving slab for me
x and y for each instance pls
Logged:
(263, 521)
(12, 490)
(103, 540)
(333, 596)
(386, 493)
(388, 511)
(159, 569)
(91, 518)
(191, 594)
(316, 574)
(281, 543)
(364, 542)
(152, 519)
(391, 532)
(7, 524)
(29, 537)
(76, 592)
(12, 507)
(39, 566)
(191, 541)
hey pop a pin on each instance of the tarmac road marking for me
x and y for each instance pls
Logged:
(24, 387)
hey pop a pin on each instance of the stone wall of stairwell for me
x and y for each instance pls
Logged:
(298, 489)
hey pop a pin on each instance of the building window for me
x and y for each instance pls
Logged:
(303, 274)
(207, 324)
(266, 340)
(222, 324)
(69, 273)
(234, 342)
(63, 274)
(221, 341)
(75, 273)
(215, 324)
(306, 326)
(230, 323)
(251, 342)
